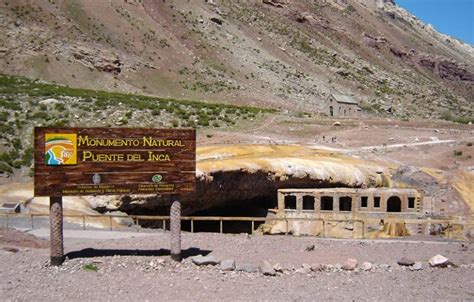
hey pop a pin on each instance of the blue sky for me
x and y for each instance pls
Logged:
(452, 17)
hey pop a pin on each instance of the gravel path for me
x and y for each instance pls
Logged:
(139, 269)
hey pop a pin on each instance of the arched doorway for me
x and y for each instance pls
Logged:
(394, 204)
(331, 111)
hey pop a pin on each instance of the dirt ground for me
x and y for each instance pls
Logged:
(9, 237)
(140, 269)
(389, 140)
(441, 149)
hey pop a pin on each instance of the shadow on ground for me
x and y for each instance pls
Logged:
(91, 253)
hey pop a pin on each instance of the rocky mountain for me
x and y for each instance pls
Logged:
(283, 54)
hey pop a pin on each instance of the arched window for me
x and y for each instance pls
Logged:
(331, 111)
(394, 204)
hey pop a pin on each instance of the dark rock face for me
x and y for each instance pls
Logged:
(441, 66)
(113, 67)
(374, 42)
(399, 53)
(447, 70)
(276, 3)
(311, 19)
(101, 61)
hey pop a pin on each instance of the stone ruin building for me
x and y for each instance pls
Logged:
(341, 105)
(343, 212)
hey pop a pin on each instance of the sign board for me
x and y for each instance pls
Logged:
(113, 161)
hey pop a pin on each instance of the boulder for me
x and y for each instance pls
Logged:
(385, 267)
(405, 262)
(304, 269)
(418, 266)
(350, 264)
(267, 269)
(50, 101)
(277, 267)
(328, 267)
(204, 260)
(439, 261)
(246, 267)
(227, 265)
(343, 72)
(10, 250)
(436, 229)
(366, 266)
(316, 267)
(217, 20)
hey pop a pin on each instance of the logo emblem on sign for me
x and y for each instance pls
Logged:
(96, 179)
(60, 149)
(157, 178)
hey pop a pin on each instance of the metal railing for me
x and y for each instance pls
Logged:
(192, 219)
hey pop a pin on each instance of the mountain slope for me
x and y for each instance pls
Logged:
(282, 54)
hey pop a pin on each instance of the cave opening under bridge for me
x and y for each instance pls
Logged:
(256, 207)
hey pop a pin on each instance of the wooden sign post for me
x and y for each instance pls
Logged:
(113, 161)
(175, 229)
(56, 230)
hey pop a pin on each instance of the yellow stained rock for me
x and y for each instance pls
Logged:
(289, 161)
(390, 230)
(464, 185)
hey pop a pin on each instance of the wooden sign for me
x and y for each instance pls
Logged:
(112, 161)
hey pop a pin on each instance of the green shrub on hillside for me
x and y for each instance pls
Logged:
(449, 116)
(20, 110)
(5, 168)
